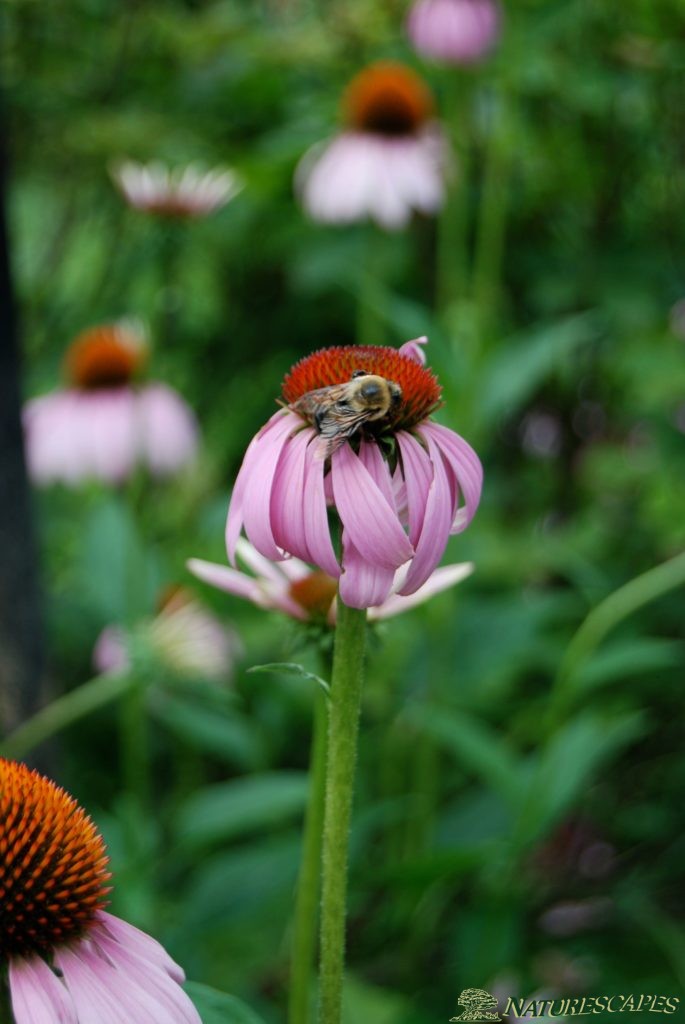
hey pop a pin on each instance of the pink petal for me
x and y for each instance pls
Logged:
(315, 515)
(230, 580)
(250, 498)
(38, 996)
(361, 583)
(141, 943)
(436, 524)
(261, 566)
(413, 349)
(287, 497)
(418, 475)
(372, 525)
(443, 578)
(465, 469)
(152, 980)
(168, 431)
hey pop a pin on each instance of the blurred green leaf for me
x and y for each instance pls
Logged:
(478, 748)
(566, 765)
(222, 733)
(642, 655)
(523, 362)
(217, 1007)
(233, 809)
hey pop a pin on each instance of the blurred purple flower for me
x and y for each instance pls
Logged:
(306, 594)
(390, 160)
(455, 31)
(397, 492)
(180, 193)
(102, 425)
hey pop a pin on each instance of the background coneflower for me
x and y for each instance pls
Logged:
(104, 423)
(70, 962)
(455, 31)
(389, 160)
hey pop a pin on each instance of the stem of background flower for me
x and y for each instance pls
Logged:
(306, 916)
(170, 247)
(343, 726)
(453, 224)
(369, 329)
(63, 712)
(492, 217)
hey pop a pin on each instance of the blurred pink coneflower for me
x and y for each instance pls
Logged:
(400, 485)
(390, 159)
(183, 192)
(70, 962)
(307, 594)
(455, 31)
(184, 637)
(102, 424)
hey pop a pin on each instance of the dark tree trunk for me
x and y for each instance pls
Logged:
(21, 627)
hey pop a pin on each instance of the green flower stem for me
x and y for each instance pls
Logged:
(492, 216)
(134, 744)
(453, 225)
(306, 916)
(64, 711)
(343, 725)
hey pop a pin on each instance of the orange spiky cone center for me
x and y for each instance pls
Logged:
(104, 357)
(387, 98)
(420, 389)
(53, 864)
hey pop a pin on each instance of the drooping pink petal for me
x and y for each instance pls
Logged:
(261, 566)
(441, 579)
(287, 497)
(315, 515)
(372, 524)
(151, 979)
(37, 994)
(418, 475)
(465, 468)
(413, 349)
(141, 943)
(437, 521)
(361, 583)
(253, 483)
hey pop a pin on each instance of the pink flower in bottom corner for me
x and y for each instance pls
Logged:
(357, 439)
(389, 161)
(455, 31)
(68, 960)
(307, 594)
(103, 424)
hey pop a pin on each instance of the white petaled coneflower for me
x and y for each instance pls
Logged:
(181, 193)
(68, 960)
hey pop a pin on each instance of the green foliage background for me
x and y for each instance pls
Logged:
(484, 778)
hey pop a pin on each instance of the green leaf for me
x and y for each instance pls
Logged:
(217, 1007)
(291, 668)
(525, 361)
(629, 658)
(221, 733)
(566, 765)
(233, 809)
(477, 747)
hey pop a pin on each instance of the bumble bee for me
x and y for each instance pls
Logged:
(340, 410)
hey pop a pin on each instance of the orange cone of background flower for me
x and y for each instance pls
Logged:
(68, 960)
